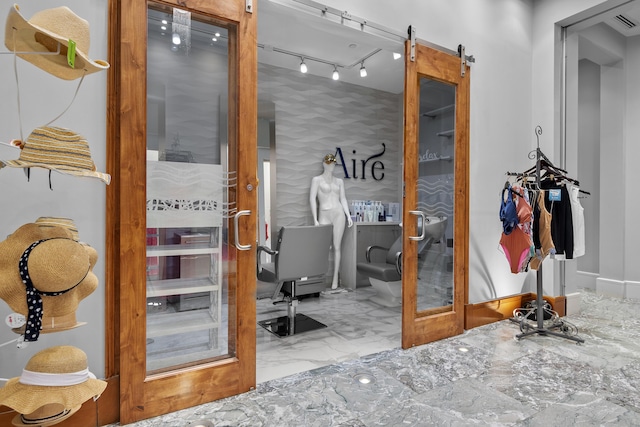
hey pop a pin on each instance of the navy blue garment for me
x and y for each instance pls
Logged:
(508, 212)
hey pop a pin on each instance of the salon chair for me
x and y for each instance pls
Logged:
(300, 264)
(386, 277)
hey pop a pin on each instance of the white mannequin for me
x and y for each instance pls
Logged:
(328, 192)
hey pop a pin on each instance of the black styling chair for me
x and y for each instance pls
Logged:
(300, 264)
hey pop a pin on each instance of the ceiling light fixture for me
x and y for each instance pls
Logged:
(397, 55)
(214, 39)
(303, 67)
(335, 75)
(175, 39)
(164, 21)
(164, 27)
(363, 71)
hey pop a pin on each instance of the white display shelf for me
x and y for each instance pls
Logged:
(447, 133)
(176, 250)
(162, 324)
(160, 288)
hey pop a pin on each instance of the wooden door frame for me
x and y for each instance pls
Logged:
(434, 324)
(125, 255)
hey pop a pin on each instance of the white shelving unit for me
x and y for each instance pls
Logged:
(184, 262)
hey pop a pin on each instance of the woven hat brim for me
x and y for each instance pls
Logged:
(17, 420)
(45, 330)
(53, 64)
(25, 399)
(105, 177)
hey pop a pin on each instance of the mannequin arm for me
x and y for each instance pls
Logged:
(345, 205)
(313, 200)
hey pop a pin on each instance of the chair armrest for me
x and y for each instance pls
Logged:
(371, 248)
(262, 249)
(399, 263)
(267, 250)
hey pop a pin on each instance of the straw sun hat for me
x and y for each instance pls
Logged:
(68, 321)
(58, 149)
(44, 274)
(43, 32)
(47, 415)
(56, 375)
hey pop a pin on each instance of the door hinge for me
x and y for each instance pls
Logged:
(412, 40)
(463, 60)
(248, 6)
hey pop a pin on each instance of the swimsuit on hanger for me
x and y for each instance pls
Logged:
(544, 242)
(508, 212)
(517, 248)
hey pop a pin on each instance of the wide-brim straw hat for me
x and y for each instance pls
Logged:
(55, 265)
(57, 375)
(58, 149)
(51, 324)
(43, 32)
(47, 415)
(53, 221)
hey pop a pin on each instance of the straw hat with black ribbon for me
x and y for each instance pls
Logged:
(57, 149)
(44, 274)
(56, 375)
(45, 32)
(52, 324)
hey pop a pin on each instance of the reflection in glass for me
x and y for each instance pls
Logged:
(186, 278)
(435, 194)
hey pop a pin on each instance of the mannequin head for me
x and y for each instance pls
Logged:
(329, 162)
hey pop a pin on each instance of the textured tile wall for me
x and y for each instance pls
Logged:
(313, 117)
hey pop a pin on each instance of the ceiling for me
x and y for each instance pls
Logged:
(304, 31)
(624, 19)
(292, 30)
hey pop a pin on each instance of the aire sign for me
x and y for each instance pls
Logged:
(357, 170)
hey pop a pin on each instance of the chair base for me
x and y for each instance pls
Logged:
(388, 294)
(285, 326)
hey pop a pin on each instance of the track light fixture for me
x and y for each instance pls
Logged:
(335, 75)
(303, 67)
(363, 71)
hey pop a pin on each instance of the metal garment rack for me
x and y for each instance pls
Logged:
(556, 326)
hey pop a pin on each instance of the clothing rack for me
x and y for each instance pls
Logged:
(566, 330)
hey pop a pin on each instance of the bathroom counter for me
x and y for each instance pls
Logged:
(355, 241)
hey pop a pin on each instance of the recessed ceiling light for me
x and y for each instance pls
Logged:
(463, 349)
(353, 45)
(164, 27)
(217, 34)
(214, 39)
(396, 55)
(164, 21)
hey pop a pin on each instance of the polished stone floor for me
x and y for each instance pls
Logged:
(483, 377)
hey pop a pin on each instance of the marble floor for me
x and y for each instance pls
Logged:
(483, 377)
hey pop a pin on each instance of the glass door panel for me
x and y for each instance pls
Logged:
(187, 75)
(436, 136)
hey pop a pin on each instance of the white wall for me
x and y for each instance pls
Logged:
(42, 98)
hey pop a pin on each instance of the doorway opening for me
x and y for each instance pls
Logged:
(303, 116)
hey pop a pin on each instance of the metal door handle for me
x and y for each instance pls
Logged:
(423, 232)
(237, 235)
